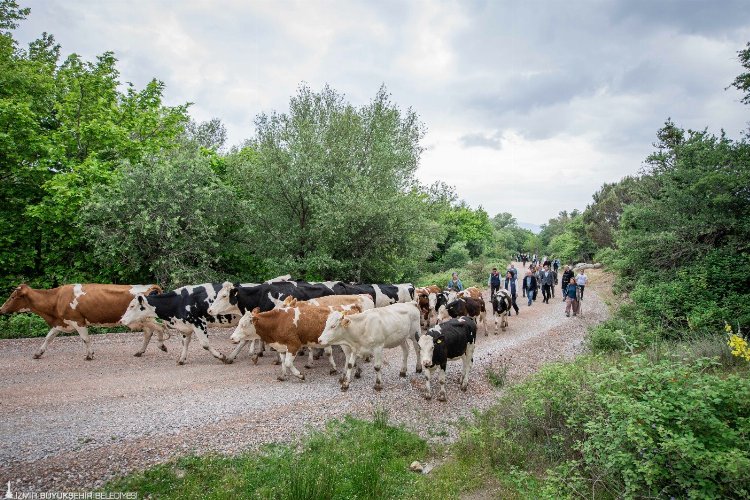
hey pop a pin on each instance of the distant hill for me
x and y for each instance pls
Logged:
(534, 228)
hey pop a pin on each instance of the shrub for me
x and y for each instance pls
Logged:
(457, 255)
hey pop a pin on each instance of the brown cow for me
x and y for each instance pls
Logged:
(76, 307)
(287, 329)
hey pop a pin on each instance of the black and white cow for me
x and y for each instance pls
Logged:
(452, 339)
(184, 309)
(501, 304)
(465, 306)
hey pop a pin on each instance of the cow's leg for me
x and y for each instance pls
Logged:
(441, 393)
(202, 334)
(468, 362)
(378, 361)
(404, 357)
(84, 333)
(236, 351)
(418, 352)
(310, 358)
(160, 339)
(504, 319)
(186, 338)
(284, 374)
(289, 363)
(47, 341)
(147, 334)
(427, 386)
(347, 376)
(329, 353)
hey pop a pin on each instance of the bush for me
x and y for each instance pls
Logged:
(611, 427)
(22, 325)
(457, 255)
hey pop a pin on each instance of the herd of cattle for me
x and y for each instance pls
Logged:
(287, 315)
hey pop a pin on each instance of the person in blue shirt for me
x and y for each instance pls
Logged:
(454, 283)
(571, 298)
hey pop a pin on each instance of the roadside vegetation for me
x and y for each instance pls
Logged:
(103, 182)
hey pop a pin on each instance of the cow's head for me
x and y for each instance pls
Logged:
(246, 328)
(138, 310)
(430, 344)
(336, 325)
(18, 300)
(225, 301)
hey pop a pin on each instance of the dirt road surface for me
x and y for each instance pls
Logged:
(70, 424)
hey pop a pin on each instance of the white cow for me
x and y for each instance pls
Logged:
(369, 332)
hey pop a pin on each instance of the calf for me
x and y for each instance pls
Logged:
(184, 309)
(287, 329)
(464, 307)
(453, 339)
(501, 304)
(369, 332)
(76, 307)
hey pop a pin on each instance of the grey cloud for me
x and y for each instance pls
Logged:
(481, 140)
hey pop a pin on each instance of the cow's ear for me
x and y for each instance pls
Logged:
(440, 339)
(255, 311)
(345, 322)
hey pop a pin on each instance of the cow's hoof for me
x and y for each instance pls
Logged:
(301, 376)
(464, 387)
(342, 378)
(163, 348)
(442, 398)
(228, 361)
(255, 359)
(427, 396)
(344, 388)
(37, 355)
(402, 374)
(333, 371)
(138, 354)
(260, 354)
(486, 334)
(367, 359)
(281, 378)
(419, 369)
(180, 362)
(308, 366)
(357, 374)
(276, 362)
(89, 358)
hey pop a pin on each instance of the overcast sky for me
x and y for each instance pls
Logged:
(530, 106)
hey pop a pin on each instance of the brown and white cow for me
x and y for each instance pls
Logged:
(76, 307)
(426, 298)
(287, 329)
(472, 291)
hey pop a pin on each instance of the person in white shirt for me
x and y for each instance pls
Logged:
(581, 282)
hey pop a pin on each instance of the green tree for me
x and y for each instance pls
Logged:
(331, 188)
(163, 218)
(64, 130)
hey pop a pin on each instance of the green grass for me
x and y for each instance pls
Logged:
(351, 459)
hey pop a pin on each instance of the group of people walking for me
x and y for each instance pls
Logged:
(544, 277)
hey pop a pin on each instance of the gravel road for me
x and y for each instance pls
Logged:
(70, 424)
